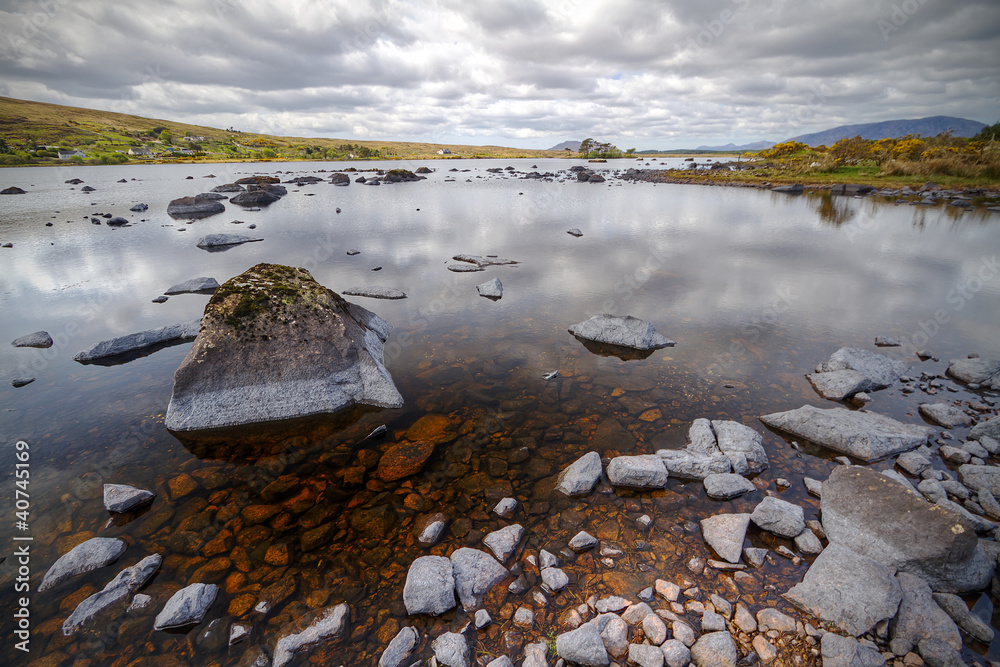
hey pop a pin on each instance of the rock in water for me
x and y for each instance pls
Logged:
(186, 606)
(779, 517)
(839, 651)
(122, 497)
(583, 646)
(376, 292)
(400, 648)
(274, 345)
(255, 198)
(638, 472)
(867, 435)
(944, 414)
(581, 476)
(716, 649)
(40, 339)
(839, 385)
(492, 289)
(330, 624)
(575, 232)
(476, 572)
(430, 586)
(627, 331)
(725, 533)
(194, 285)
(985, 372)
(115, 593)
(217, 240)
(92, 554)
(139, 341)
(881, 519)
(847, 589)
(742, 445)
(920, 617)
(880, 370)
(194, 207)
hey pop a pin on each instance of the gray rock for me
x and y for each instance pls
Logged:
(432, 528)
(847, 589)
(217, 240)
(430, 586)
(990, 428)
(881, 519)
(503, 542)
(476, 572)
(40, 339)
(330, 624)
(913, 463)
(880, 370)
(139, 208)
(582, 541)
(742, 445)
(582, 646)
(90, 555)
(122, 497)
(638, 472)
(21, 381)
(534, 655)
(506, 508)
(838, 651)
(259, 197)
(980, 477)
(725, 533)
(238, 632)
(955, 607)
(686, 464)
(645, 655)
(619, 331)
(944, 414)
(139, 601)
(684, 633)
(635, 613)
(159, 299)
(795, 189)
(483, 262)
(712, 622)
(715, 649)
(772, 619)
(203, 284)
(452, 649)
(939, 654)
(675, 653)
(725, 486)
(866, 435)
(112, 597)
(779, 517)
(886, 341)
(895, 476)
(229, 187)
(984, 372)
(554, 578)
(814, 487)
(989, 503)
(375, 292)
(575, 232)
(654, 629)
(920, 617)
(194, 207)
(186, 606)
(581, 476)
(342, 340)
(547, 559)
(482, 619)
(492, 289)
(839, 385)
(808, 543)
(139, 341)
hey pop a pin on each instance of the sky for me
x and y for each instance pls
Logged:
(642, 74)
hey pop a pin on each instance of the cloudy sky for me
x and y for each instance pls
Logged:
(525, 73)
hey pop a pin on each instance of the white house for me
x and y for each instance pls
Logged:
(194, 139)
(140, 151)
(444, 151)
(65, 155)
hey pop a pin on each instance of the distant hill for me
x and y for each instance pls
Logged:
(893, 129)
(755, 146)
(572, 145)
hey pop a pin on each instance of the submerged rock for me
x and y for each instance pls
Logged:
(40, 339)
(90, 555)
(866, 435)
(629, 332)
(139, 341)
(330, 624)
(375, 292)
(122, 497)
(187, 606)
(248, 363)
(476, 572)
(492, 289)
(115, 594)
(194, 207)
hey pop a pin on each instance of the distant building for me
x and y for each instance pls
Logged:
(444, 151)
(194, 139)
(65, 155)
(184, 151)
(140, 151)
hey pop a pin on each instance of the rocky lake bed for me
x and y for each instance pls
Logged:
(661, 424)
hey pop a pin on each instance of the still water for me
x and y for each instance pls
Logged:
(757, 288)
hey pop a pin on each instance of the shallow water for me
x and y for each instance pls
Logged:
(756, 288)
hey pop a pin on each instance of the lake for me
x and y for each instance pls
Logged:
(756, 287)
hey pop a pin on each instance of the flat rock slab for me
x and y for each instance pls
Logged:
(122, 497)
(980, 371)
(203, 284)
(430, 586)
(581, 476)
(330, 624)
(40, 339)
(725, 533)
(492, 289)
(187, 606)
(218, 240)
(476, 572)
(847, 589)
(275, 344)
(865, 435)
(880, 370)
(726, 486)
(90, 555)
(137, 342)
(629, 332)
(638, 472)
(944, 414)
(375, 292)
(112, 597)
(839, 385)
(483, 262)
(194, 207)
(881, 519)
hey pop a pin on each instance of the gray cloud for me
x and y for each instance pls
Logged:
(527, 73)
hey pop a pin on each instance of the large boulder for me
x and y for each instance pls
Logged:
(920, 617)
(880, 370)
(980, 371)
(629, 332)
(880, 518)
(866, 435)
(275, 344)
(638, 472)
(847, 589)
(194, 207)
(258, 197)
